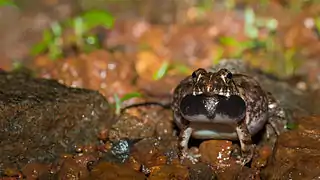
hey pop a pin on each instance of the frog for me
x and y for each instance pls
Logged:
(224, 105)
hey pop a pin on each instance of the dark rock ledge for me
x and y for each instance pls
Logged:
(40, 119)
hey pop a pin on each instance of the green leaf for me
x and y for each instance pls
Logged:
(249, 16)
(130, 96)
(92, 40)
(7, 3)
(250, 29)
(272, 24)
(317, 23)
(55, 50)
(291, 126)
(47, 38)
(17, 66)
(96, 18)
(228, 41)
(117, 104)
(39, 48)
(118, 101)
(161, 71)
(183, 69)
(78, 27)
(56, 28)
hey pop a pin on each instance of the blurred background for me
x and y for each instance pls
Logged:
(122, 46)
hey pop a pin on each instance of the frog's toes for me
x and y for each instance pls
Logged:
(193, 157)
(246, 156)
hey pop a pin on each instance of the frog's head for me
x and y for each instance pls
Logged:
(220, 83)
(207, 96)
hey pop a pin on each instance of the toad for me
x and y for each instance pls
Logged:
(223, 105)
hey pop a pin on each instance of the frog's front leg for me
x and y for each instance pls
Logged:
(247, 147)
(184, 138)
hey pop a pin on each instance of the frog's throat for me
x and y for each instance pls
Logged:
(218, 118)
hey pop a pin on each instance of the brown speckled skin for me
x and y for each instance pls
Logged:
(261, 107)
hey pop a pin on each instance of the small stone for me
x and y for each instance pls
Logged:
(297, 152)
(106, 170)
(169, 172)
(216, 152)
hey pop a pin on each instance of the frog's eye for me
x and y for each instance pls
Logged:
(194, 75)
(229, 75)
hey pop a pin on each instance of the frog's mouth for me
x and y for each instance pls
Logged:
(213, 108)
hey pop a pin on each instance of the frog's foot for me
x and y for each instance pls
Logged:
(270, 137)
(246, 156)
(190, 155)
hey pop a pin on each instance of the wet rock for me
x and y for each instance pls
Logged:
(237, 172)
(36, 171)
(260, 159)
(169, 172)
(42, 118)
(105, 171)
(139, 123)
(119, 151)
(297, 153)
(75, 167)
(216, 152)
(13, 173)
(71, 170)
(152, 152)
(201, 171)
(108, 73)
(132, 127)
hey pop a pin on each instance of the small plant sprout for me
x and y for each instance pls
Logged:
(119, 101)
(53, 41)
(7, 3)
(167, 68)
(162, 71)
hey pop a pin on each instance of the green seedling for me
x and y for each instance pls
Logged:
(7, 3)
(162, 71)
(181, 68)
(317, 24)
(292, 126)
(240, 47)
(253, 23)
(119, 101)
(53, 41)
(167, 67)
(290, 61)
